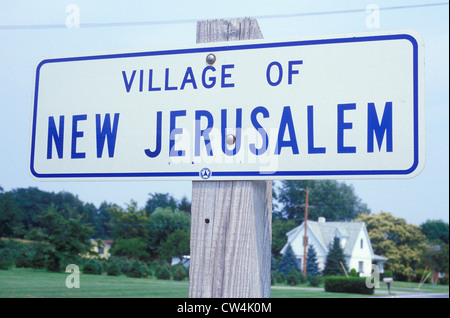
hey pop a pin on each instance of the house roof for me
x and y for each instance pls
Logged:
(326, 231)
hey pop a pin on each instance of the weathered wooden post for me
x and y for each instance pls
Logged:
(231, 222)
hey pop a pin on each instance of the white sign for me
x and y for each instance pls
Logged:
(341, 106)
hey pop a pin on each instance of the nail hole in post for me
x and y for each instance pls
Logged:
(207, 221)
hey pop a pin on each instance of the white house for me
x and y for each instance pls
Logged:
(354, 241)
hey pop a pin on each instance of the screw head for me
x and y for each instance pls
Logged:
(230, 139)
(210, 59)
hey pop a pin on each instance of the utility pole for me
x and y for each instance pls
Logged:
(305, 238)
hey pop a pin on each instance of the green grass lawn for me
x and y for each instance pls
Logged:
(31, 283)
(19, 283)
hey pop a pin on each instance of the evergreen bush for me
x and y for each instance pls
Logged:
(92, 267)
(293, 277)
(288, 261)
(138, 270)
(163, 272)
(179, 272)
(353, 273)
(280, 277)
(314, 280)
(334, 259)
(312, 265)
(113, 269)
(6, 258)
(339, 284)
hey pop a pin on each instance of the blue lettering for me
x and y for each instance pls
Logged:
(203, 133)
(175, 131)
(341, 126)
(237, 146)
(150, 82)
(265, 138)
(167, 87)
(311, 148)
(105, 132)
(75, 135)
(373, 126)
(291, 71)
(286, 121)
(141, 80)
(212, 79)
(148, 152)
(189, 78)
(127, 82)
(53, 135)
(226, 75)
(280, 73)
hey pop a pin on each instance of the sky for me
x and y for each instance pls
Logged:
(31, 30)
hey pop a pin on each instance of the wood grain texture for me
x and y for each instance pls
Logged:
(231, 221)
(228, 30)
(230, 254)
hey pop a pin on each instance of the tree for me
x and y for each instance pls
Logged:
(279, 229)
(436, 231)
(10, 216)
(129, 223)
(312, 267)
(334, 259)
(134, 248)
(288, 261)
(177, 244)
(160, 200)
(333, 200)
(66, 238)
(404, 244)
(184, 205)
(34, 202)
(163, 222)
(102, 220)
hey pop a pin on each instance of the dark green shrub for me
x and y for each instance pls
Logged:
(314, 280)
(24, 258)
(339, 284)
(179, 272)
(163, 272)
(6, 258)
(122, 263)
(293, 277)
(353, 273)
(39, 258)
(138, 270)
(280, 277)
(113, 269)
(288, 261)
(303, 279)
(92, 267)
(154, 267)
(388, 273)
(443, 280)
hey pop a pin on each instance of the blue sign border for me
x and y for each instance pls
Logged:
(228, 174)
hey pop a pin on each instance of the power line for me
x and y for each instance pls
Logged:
(187, 21)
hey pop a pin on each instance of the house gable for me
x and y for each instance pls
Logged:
(354, 239)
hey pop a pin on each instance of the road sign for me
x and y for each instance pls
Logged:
(340, 106)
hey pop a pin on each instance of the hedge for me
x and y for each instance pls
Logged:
(340, 284)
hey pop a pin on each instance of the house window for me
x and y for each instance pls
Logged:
(361, 243)
(101, 250)
(360, 267)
